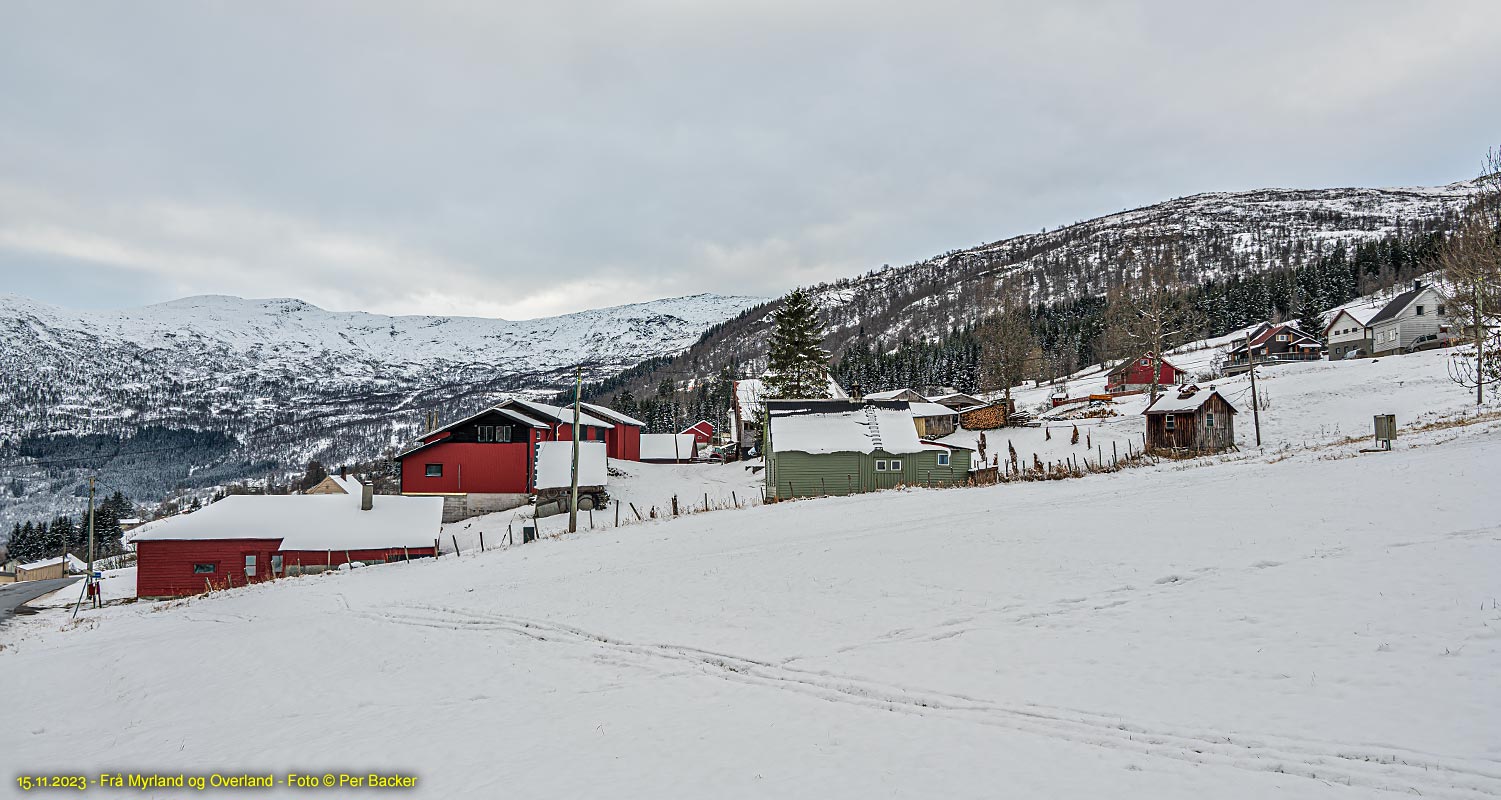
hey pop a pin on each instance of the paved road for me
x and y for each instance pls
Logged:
(15, 595)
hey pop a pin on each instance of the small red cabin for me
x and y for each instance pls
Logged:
(1136, 375)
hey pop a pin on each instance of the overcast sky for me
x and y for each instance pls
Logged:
(522, 160)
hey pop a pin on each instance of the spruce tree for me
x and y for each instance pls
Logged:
(797, 363)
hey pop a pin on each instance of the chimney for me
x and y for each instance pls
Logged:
(1416, 285)
(343, 473)
(367, 496)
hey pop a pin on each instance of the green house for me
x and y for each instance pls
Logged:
(835, 447)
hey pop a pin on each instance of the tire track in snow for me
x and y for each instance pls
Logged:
(1383, 768)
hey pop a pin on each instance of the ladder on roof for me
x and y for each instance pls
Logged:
(875, 427)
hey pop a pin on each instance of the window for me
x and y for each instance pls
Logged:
(1168, 423)
(1146, 362)
(205, 569)
(1441, 310)
(880, 465)
(943, 459)
(485, 433)
(1420, 311)
(276, 564)
(895, 465)
(434, 470)
(503, 433)
(1282, 337)
(1209, 419)
(249, 565)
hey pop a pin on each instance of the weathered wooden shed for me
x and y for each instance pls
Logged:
(839, 447)
(1190, 422)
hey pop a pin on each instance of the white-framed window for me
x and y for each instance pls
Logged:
(943, 459)
(276, 564)
(1209, 419)
(1168, 423)
(485, 433)
(895, 465)
(1146, 362)
(249, 564)
(1282, 337)
(880, 465)
(503, 433)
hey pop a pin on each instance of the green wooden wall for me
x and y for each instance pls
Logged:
(795, 474)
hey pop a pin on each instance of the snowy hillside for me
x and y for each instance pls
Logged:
(1206, 237)
(287, 381)
(1304, 622)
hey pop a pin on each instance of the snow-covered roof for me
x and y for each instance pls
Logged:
(308, 521)
(554, 413)
(893, 394)
(748, 397)
(967, 399)
(931, 410)
(1176, 402)
(865, 429)
(350, 485)
(75, 564)
(1400, 303)
(667, 446)
(555, 464)
(611, 415)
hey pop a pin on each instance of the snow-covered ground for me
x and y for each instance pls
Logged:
(1282, 622)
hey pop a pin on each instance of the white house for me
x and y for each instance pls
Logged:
(1414, 318)
(1350, 331)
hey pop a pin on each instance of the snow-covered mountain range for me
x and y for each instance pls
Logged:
(280, 381)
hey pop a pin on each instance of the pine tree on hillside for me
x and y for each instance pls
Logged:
(797, 363)
(313, 476)
(66, 534)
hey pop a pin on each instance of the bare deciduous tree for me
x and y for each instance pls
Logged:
(1471, 263)
(1148, 316)
(1009, 352)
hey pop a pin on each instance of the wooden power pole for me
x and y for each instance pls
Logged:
(573, 500)
(1255, 403)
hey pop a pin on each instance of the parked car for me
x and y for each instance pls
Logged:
(1427, 342)
(1354, 354)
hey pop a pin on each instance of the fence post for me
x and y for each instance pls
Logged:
(482, 541)
(455, 545)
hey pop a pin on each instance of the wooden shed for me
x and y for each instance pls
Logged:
(1190, 422)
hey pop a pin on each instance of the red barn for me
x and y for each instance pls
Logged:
(1136, 375)
(703, 431)
(245, 539)
(487, 462)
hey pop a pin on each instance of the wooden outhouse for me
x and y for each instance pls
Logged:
(1190, 422)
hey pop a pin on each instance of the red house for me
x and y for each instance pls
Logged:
(703, 431)
(487, 462)
(1136, 375)
(246, 539)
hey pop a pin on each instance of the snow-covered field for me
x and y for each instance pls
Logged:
(1290, 622)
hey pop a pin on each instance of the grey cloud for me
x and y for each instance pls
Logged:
(532, 159)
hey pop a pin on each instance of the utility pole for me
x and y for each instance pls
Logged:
(573, 501)
(1255, 404)
(89, 579)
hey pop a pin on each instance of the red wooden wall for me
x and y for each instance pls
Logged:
(470, 467)
(165, 568)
